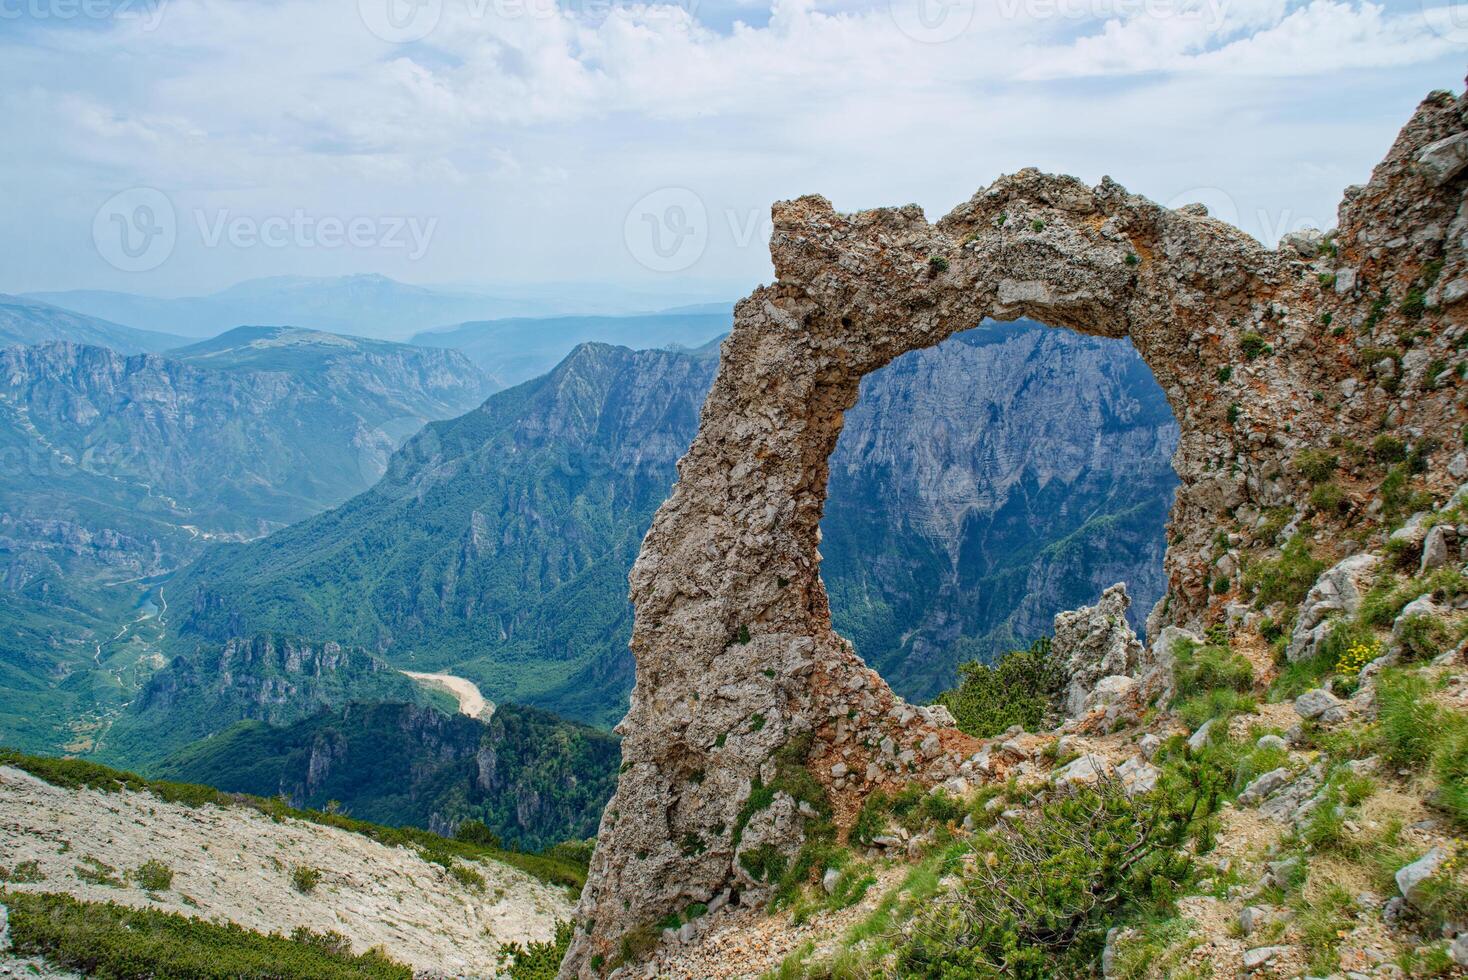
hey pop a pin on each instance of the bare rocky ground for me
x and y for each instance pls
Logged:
(236, 865)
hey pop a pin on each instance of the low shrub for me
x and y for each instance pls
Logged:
(1254, 345)
(1201, 669)
(469, 877)
(1422, 637)
(536, 960)
(1316, 465)
(153, 876)
(476, 832)
(24, 873)
(110, 940)
(1040, 894)
(1286, 578)
(1328, 498)
(305, 879)
(1022, 687)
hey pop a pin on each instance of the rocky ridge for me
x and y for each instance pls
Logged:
(1332, 340)
(235, 865)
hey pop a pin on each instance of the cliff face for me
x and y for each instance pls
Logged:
(981, 485)
(274, 679)
(1263, 355)
(533, 779)
(499, 543)
(260, 427)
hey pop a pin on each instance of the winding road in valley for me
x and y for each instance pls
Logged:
(471, 702)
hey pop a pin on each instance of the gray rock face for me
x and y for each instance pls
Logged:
(1264, 785)
(1459, 949)
(1411, 878)
(1258, 957)
(1446, 158)
(731, 618)
(1338, 592)
(1094, 642)
(1320, 704)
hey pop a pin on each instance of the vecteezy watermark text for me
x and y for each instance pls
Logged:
(147, 13)
(301, 229)
(137, 230)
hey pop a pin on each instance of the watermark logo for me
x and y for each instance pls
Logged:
(932, 21)
(135, 230)
(1266, 225)
(667, 230)
(400, 21)
(147, 14)
(300, 229)
(1447, 20)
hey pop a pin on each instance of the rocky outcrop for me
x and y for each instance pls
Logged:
(1093, 643)
(735, 654)
(1337, 593)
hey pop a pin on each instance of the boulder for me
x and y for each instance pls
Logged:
(1086, 769)
(1271, 742)
(830, 880)
(1320, 704)
(1410, 879)
(1110, 691)
(1198, 739)
(1439, 547)
(1459, 950)
(1263, 786)
(1138, 776)
(1445, 159)
(1337, 592)
(1149, 744)
(1261, 956)
(1254, 916)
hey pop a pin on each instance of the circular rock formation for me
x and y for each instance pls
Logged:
(752, 724)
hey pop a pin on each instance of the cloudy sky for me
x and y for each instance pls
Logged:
(178, 146)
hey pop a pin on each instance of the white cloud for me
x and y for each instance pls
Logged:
(530, 129)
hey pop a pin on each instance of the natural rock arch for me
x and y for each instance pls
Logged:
(736, 658)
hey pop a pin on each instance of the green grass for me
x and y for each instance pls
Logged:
(109, 940)
(1286, 578)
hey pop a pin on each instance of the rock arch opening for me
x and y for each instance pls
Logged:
(984, 484)
(751, 718)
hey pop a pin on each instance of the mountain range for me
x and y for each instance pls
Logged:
(27, 321)
(364, 305)
(971, 490)
(116, 469)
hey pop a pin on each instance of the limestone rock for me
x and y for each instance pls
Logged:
(1198, 739)
(1319, 703)
(1138, 776)
(1264, 785)
(1446, 158)
(1337, 592)
(1095, 642)
(1259, 957)
(1410, 878)
(1086, 769)
(1459, 950)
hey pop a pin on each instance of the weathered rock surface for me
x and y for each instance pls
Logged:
(1096, 642)
(735, 654)
(234, 864)
(1336, 593)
